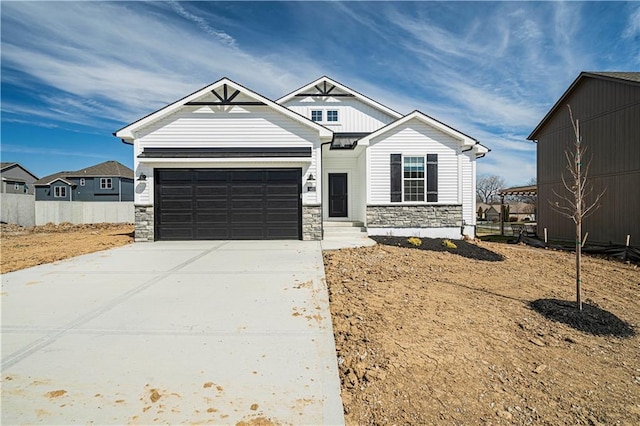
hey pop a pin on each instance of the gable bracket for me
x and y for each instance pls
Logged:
(323, 91)
(225, 99)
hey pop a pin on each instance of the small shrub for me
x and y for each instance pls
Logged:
(415, 241)
(449, 244)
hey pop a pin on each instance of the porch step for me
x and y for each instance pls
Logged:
(342, 230)
(341, 224)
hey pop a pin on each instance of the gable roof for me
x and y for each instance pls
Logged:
(106, 169)
(465, 140)
(7, 165)
(319, 85)
(48, 180)
(127, 133)
(632, 78)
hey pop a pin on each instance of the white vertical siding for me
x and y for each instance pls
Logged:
(414, 138)
(356, 182)
(353, 115)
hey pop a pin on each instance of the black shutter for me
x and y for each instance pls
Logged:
(432, 178)
(396, 178)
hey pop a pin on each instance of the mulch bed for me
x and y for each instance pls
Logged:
(463, 248)
(591, 320)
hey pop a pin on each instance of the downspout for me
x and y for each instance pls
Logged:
(120, 189)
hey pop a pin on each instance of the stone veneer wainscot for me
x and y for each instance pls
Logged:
(415, 216)
(144, 223)
(311, 223)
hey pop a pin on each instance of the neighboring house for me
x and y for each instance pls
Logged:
(227, 163)
(16, 179)
(607, 104)
(522, 212)
(488, 212)
(108, 181)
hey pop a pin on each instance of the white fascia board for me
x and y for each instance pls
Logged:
(55, 180)
(127, 133)
(464, 139)
(344, 88)
(480, 149)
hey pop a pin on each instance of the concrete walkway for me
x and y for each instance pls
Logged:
(172, 333)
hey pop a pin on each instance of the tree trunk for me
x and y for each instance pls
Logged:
(578, 264)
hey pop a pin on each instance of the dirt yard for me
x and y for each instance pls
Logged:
(455, 336)
(477, 334)
(25, 247)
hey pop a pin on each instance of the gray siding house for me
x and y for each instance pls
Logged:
(108, 181)
(608, 107)
(16, 179)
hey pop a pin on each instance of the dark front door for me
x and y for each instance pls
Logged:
(338, 195)
(227, 204)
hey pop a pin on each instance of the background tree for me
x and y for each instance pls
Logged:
(487, 187)
(574, 205)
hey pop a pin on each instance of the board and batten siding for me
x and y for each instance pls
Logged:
(353, 115)
(356, 183)
(413, 138)
(223, 127)
(609, 114)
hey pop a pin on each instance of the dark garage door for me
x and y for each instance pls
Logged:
(227, 204)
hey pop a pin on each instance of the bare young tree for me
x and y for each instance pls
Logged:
(487, 187)
(574, 205)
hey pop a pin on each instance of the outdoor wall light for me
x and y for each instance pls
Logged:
(142, 177)
(311, 183)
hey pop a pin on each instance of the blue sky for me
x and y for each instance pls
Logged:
(74, 72)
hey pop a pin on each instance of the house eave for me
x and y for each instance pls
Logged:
(128, 132)
(357, 95)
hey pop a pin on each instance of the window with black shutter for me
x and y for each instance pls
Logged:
(396, 178)
(432, 178)
(414, 178)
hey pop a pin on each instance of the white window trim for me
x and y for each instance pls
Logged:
(425, 195)
(424, 179)
(59, 192)
(322, 115)
(106, 183)
(82, 182)
(325, 116)
(16, 186)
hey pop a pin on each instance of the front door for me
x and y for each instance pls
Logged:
(338, 195)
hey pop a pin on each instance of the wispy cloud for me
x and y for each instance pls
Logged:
(21, 149)
(203, 25)
(633, 26)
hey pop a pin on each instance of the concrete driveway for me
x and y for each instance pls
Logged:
(171, 332)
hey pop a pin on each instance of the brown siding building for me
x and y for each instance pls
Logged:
(608, 107)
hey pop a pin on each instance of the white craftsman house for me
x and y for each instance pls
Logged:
(227, 163)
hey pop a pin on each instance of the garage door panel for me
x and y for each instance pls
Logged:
(285, 190)
(177, 233)
(284, 233)
(184, 204)
(284, 217)
(214, 204)
(282, 204)
(173, 175)
(184, 191)
(248, 217)
(240, 176)
(212, 191)
(212, 233)
(211, 175)
(212, 218)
